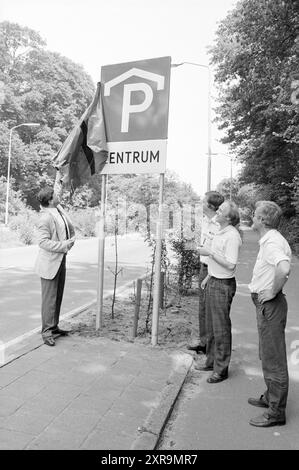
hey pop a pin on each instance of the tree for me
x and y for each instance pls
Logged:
(229, 188)
(16, 203)
(39, 86)
(255, 55)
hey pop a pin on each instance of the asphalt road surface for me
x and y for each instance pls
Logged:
(20, 292)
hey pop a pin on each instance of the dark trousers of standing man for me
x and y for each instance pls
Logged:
(271, 322)
(52, 293)
(219, 296)
(203, 272)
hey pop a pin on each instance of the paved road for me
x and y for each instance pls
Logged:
(20, 286)
(216, 416)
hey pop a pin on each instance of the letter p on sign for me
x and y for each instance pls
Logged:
(136, 99)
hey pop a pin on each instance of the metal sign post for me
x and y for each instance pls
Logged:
(158, 254)
(136, 105)
(101, 258)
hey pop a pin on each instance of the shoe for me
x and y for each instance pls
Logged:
(60, 332)
(258, 402)
(203, 368)
(265, 421)
(49, 341)
(215, 378)
(198, 348)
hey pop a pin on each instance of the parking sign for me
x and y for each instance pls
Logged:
(135, 103)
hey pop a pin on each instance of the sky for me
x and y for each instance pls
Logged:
(95, 33)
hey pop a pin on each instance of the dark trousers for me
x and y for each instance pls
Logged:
(271, 322)
(219, 296)
(203, 272)
(52, 293)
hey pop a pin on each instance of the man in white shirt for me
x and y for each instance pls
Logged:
(220, 288)
(55, 239)
(270, 273)
(210, 227)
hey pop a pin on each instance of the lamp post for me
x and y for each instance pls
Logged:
(209, 117)
(8, 168)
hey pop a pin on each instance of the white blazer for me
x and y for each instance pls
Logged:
(51, 248)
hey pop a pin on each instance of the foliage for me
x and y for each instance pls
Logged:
(15, 201)
(21, 220)
(187, 261)
(8, 238)
(25, 225)
(84, 221)
(80, 199)
(137, 197)
(290, 228)
(229, 188)
(41, 87)
(255, 55)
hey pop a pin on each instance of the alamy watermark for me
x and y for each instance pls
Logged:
(185, 219)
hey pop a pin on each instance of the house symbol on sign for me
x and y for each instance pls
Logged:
(127, 107)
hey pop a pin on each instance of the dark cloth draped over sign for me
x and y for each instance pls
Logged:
(84, 152)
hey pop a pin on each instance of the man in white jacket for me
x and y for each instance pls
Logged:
(55, 239)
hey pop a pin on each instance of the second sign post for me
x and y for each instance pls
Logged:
(135, 103)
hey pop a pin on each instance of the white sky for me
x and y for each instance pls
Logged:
(101, 32)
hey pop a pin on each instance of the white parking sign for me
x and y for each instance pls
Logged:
(135, 103)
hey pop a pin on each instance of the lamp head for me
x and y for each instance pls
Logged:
(177, 65)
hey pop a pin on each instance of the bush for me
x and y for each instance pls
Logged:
(187, 261)
(8, 239)
(290, 230)
(16, 202)
(24, 224)
(81, 198)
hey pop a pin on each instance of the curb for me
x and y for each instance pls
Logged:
(29, 341)
(24, 344)
(151, 431)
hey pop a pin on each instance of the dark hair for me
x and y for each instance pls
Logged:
(233, 214)
(270, 213)
(214, 199)
(45, 195)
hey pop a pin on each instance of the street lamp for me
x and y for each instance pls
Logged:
(209, 117)
(35, 124)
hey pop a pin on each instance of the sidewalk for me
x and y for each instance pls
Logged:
(89, 394)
